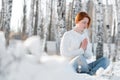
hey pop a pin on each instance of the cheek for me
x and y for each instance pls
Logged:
(80, 25)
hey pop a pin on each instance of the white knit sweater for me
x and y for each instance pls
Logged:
(70, 45)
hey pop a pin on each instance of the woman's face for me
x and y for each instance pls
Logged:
(82, 25)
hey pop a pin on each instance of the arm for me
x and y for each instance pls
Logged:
(65, 47)
(88, 52)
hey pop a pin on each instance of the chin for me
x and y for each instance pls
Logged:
(82, 30)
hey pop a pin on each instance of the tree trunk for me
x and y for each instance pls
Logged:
(3, 12)
(91, 12)
(108, 31)
(46, 26)
(69, 17)
(61, 7)
(24, 19)
(7, 20)
(77, 6)
(117, 37)
(31, 18)
(36, 18)
(50, 25)
(99, 14)
(40, 29)
(84, 5)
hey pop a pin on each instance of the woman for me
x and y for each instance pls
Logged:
(75, 46)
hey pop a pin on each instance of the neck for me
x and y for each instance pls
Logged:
(79, 31)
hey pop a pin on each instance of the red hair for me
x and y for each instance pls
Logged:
(82, 15)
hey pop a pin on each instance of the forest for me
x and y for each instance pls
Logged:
(50, 19)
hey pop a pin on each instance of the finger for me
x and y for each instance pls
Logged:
(84, 41)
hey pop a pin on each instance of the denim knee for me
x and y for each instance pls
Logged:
(106, 61)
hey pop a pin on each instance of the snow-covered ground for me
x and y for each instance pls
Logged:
(26, 61)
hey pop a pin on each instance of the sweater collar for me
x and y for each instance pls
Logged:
(78, 32)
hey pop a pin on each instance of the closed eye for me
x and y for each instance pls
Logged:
(84, 22)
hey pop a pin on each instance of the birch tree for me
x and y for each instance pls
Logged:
(2, 15)
(40, 30)
(84, 5)
(108, 30)
(99, 18)
(24, 18)
(46, 26)
(7, 19)
(30, 19)
(50, 25)
(36, 18)
(77, 6)
(69, 16)
(91, 12)
(61, 9)
(117, 37)
(114, 20)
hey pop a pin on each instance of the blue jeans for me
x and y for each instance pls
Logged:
(90, 68)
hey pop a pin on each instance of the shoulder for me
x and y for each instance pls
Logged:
(68, 33)
(86, 33)
(67, 36)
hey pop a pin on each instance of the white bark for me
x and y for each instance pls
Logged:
(99, 18)
(91, 11)
(24, 18)
(113, 33)
(40, 20)
(108, 30)
(77, 6)
(36, 17)
(46, 26)
(69, 16)
(61, 10)
(117, 38)
(30, 19)
(7, 19)
(2, 15)
(84, 5)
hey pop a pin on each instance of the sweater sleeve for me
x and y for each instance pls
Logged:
(65, 47)
(88, 52)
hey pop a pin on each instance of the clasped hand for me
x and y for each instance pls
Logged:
(84, 44)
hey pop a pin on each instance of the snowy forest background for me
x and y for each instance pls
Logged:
(49, 19)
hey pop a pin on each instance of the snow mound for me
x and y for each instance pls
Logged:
(34, 46)
(52, 68)
(2, 43)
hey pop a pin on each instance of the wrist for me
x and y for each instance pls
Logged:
(82, 50)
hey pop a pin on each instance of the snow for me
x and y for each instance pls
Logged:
(18, 64)
(49, 69)
(34, 45)
(51, 47)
